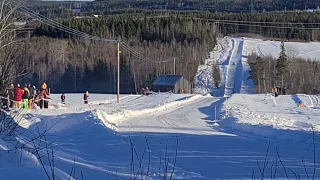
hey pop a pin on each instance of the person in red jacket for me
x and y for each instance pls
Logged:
(18, 96)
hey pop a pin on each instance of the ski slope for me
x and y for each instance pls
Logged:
(83, 140)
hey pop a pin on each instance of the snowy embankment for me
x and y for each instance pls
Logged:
(112, 118)
(204, 83)
(279, 118)
(310, 50)
(18, 160)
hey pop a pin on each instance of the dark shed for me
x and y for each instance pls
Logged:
(175, 83)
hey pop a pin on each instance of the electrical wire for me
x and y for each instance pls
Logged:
(52, 23)
(57, 25)
(140, 56)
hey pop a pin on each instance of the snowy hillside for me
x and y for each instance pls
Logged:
(310, 50)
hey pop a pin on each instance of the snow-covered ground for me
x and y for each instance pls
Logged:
(279, 118)
(309, 50)
(179, 131)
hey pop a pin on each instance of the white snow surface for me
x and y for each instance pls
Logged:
(189, 130)
(305, 50)
(279, 117)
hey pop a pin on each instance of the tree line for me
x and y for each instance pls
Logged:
(283, 25)
(72, 64)
(245, 6)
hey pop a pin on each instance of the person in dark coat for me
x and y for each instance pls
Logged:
(86, 97)
(33, 93)
(63, 98)
(284, 91)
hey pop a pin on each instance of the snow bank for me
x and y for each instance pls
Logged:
(260, 115)
(111, 120)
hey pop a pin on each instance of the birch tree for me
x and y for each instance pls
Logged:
(11, 63)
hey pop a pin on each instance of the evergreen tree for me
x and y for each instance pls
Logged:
(282, 64)
(216, 75)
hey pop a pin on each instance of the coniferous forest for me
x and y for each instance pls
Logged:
(73, 64)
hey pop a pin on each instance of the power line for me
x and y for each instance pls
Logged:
(56, 25)
(75, 32)
(142, 57)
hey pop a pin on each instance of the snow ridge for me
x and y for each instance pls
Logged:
(111, 120)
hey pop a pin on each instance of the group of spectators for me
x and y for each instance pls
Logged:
(25, 97)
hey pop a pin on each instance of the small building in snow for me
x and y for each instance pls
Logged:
(175, 83)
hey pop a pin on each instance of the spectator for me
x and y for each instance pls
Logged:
(44, 97)
(18, 96)
(86, 97)
(63, 98)
(25, 97)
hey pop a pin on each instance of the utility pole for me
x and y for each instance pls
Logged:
(118, 81)
(174, 66)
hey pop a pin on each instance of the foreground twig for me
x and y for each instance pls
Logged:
(284, 168)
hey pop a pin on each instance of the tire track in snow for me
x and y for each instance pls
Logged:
(314, 101)
(190, 118)
(183, 113)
